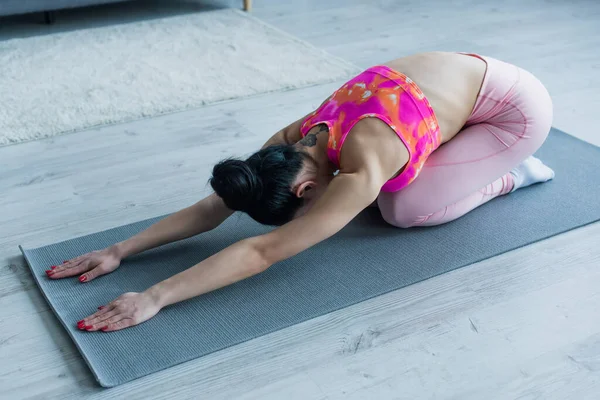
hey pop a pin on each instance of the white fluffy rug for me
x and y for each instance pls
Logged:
(75, 80)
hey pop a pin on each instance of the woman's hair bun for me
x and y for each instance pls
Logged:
(237, 183)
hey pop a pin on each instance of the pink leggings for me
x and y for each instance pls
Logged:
(510, 121)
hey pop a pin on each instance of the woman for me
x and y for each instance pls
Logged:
(424, 155)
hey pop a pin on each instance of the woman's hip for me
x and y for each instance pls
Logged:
(513, 99)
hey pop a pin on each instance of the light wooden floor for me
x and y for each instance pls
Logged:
(523, 325)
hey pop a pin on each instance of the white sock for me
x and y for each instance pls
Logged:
(530, 171)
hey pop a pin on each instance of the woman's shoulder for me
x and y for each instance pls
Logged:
(372, 143)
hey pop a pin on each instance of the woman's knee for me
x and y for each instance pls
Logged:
(537, 134)
(399, 221)
(538, 110)
(396, 212)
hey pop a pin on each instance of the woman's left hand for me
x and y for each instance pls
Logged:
(127, 310)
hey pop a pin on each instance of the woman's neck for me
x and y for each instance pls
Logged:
(315, 145)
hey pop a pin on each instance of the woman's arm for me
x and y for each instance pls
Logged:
(291, 133)
(288, 135)
(346, 196)
(203, 216)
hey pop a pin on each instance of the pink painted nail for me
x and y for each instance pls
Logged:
(104, 328)
(100, 308)
(82, 278)
(88, 327)
(53, 267)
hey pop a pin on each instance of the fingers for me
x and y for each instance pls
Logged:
(102, 311)
(111, 320)
(68, 269)
(101, 318)
(127, 310)
(104, 324)
(72, 262)
(98, 319)
(88, 266)
(93, 274)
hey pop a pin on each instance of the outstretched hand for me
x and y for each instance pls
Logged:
(127, 310)
(89, 266)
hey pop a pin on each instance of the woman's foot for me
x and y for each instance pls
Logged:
(530, 171)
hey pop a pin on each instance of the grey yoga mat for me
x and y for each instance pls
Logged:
(366, 259)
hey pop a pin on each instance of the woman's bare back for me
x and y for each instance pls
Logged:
(451, 83)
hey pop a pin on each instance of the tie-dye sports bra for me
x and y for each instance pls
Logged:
(383, 93)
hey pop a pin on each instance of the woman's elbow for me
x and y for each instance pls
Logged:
(260, 258)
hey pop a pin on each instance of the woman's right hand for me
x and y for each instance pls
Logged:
(89, 266)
